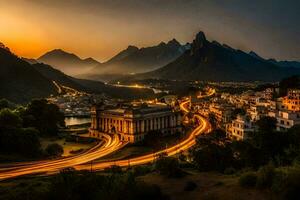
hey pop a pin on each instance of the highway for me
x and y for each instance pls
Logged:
(202, 128)
(111, 144)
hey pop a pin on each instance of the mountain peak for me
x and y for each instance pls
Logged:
(174, 43)
(60, 53)
(255, 55)
(131, 47)
(162, 44)
(2, 46)
(200, 37)
(198, 42)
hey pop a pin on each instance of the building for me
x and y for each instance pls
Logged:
(257, 112)
(222, 113)
(286, 119)
(292, 100)
(240, 128)
(133, 122)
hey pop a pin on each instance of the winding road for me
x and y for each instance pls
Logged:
(111, 144)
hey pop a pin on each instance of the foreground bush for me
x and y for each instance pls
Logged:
(248, 179)
(265, 176)
(73, 185)
(190, 186)
(286, 183)
(168, 166)
(54, 150)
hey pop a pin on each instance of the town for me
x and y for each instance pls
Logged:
(149, 100)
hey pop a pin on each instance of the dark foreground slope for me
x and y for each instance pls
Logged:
(19, 81)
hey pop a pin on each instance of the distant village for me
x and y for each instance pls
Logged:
(237, 114)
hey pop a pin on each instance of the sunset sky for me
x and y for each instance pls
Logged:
(101, 28)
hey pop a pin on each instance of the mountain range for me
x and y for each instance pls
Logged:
(212, 61)
(21, 81)
(137, 60)
(69, 63)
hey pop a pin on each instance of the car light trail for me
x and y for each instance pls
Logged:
(111, 144)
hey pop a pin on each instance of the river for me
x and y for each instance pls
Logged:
(77, 120)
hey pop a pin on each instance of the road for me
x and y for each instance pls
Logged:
(182, 146)
(111, 144)
(202, 128)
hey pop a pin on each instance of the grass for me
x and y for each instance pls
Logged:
(68, 146)
(210, 185)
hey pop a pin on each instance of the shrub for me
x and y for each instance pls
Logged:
(229, 171)
(265, 176)
(248, 179)
(169, 167)
(141, 170)
(115, 169)
(190, 186)
(54, 150)
(286, 183)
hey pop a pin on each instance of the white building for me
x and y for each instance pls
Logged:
(286, 119)
(240, 128)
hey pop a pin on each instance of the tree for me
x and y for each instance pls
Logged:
(9, 119)
(237, 111)
(287, 83)
(212, 120)
(168, 166)
(266, 124)
(44, 116)
(211, 154)
(54, 150)
(4, 103)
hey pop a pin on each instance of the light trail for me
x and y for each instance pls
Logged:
(203, 127)
(111, 145)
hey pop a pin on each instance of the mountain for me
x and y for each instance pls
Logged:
(214, 62)
(30, 60)
(137, 60)
(69, 63)
(285, 63)
(89, 85)
(19, 81)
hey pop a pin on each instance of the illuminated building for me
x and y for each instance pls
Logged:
(240, 128)
(132, 123)
(292, 100)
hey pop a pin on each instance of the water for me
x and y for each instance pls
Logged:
(77, 120)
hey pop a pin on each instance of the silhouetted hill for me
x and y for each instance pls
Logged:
(19, 81)
(135, 60)
(89, 85)
(214, 62)
(285, 63)
(30, 60)
(69, 63)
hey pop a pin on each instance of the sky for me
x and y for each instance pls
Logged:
(102, 28)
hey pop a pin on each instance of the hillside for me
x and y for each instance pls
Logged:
(89, 85)
(68, 63)
(19, 81)
(212, 61)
